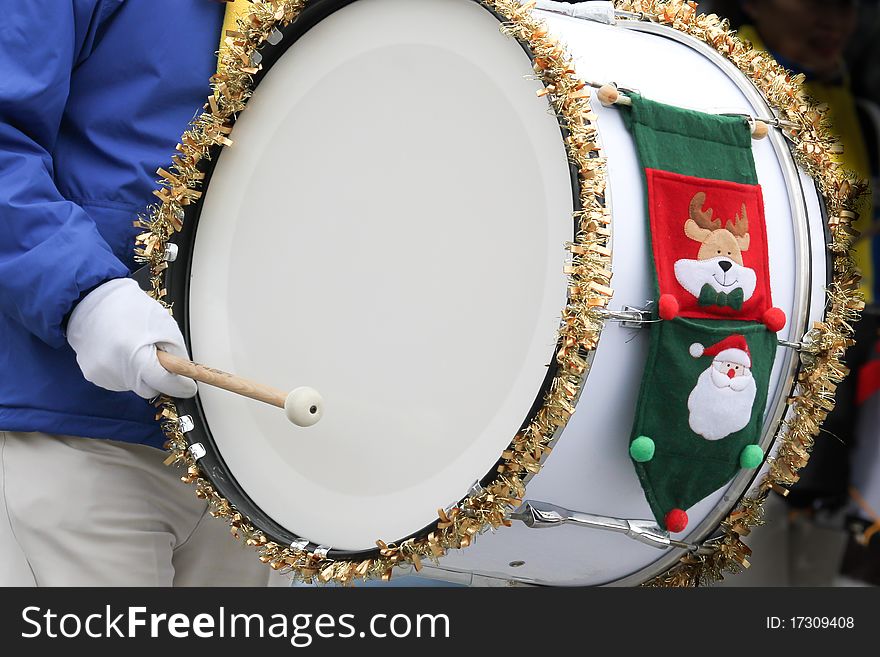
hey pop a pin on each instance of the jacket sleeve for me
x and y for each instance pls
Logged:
(50, 249)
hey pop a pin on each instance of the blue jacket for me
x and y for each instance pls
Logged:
(94, 95)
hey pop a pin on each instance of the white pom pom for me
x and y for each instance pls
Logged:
(696, 349)
(304, 406)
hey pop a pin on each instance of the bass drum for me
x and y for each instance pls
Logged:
(588, 470)
(400, 224)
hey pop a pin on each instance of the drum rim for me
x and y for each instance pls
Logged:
(212, 469)
(814, 150)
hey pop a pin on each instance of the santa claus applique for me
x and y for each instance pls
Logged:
(700, 412)
(721, 402)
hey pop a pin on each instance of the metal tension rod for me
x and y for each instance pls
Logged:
(633, 317)
(542, 515)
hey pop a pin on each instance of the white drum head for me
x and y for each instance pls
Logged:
(393, 236)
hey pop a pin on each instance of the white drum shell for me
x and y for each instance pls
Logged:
(590, 469)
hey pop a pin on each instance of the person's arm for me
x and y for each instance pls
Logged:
(51, 252)
(54, 264)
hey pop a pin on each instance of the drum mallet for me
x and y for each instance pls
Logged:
(303, 406)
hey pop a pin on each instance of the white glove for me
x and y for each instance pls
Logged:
(115, 331)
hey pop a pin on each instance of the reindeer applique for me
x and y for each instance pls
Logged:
(717, 277)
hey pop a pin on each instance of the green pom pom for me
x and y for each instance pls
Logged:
(751, 457)
(641, 449)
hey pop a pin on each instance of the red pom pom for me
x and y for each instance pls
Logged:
(668, 307)
(774, 319)
(676, 521)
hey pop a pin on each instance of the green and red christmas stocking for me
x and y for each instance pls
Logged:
(704, 391)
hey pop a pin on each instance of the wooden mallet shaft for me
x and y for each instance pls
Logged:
(303, 406)
(220, 379)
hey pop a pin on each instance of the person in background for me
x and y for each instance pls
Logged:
(811, 37)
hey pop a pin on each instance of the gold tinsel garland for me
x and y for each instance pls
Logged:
(588, 289)
(589, 274)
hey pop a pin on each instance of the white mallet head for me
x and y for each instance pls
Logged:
(304, 406)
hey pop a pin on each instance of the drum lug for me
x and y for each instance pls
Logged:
(629, 317)
(641, 317)
(171, 251)
(300, 544)
(274, 37)
(321, 551)
(797, 346)
(197, 451)
(185, 423)
(255, 59)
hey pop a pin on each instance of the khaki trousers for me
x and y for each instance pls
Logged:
(87, 512)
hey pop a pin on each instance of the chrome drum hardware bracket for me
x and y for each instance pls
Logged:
(543, 515)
